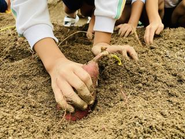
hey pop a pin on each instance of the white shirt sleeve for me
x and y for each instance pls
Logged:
(140, 0)
(32, 20)
(106, 14)
(171, 3)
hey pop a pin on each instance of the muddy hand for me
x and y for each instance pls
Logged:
(151, 30)
(125, 29)
(98, 48)
(71, 85)
(90, 34)
(126, 50)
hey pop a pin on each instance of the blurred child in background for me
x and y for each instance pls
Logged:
(163, 13)
(128, 20)
(70, 8)
(130, 17)
(152, 15)
(174, 13)
(85, 7)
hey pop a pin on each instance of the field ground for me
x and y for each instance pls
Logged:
(152, 104)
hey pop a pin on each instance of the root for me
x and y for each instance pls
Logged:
(71, 35)
(124, 97)
(100, 55)
(63, 118)
(106, 53)
(59, 123)
(137, 38)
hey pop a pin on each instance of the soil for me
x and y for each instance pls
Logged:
(144, 99)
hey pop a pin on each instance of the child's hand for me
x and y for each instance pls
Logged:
(99, 47)
(90, 34)
(67, 76)
(151, 30)
(125, 29)
(126, 50)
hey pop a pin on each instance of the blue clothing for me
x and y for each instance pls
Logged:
(76, 4)
(3, 6)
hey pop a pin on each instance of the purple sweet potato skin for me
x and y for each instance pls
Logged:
(93, 70)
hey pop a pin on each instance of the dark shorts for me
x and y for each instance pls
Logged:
(77, 4)
(3, 6)
(167, 16)
(128, 2)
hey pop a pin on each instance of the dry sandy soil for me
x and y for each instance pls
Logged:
(144, 99)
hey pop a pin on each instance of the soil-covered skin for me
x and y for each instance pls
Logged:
(144, 99)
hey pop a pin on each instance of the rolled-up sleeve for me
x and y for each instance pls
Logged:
(32, 20)
(140, 0)
(106, 14)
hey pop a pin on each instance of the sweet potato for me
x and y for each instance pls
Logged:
(93, 70)
(77, 115)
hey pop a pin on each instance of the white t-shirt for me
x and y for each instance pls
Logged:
(132, 1)
(171, 3)
(34, 23)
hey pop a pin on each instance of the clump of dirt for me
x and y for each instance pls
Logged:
(143, 99)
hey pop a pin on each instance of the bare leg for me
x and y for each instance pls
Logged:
(181, 21)
(178, 15)
(144, 16)
(87, 10)
(125, 15)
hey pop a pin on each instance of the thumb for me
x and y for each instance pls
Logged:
(96, 50)
(89, 35)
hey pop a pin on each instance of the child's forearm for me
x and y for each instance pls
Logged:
(152, 10)
(105, 19)
(33, 24)
(136, 11)
(102, 37)
(48, 52)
